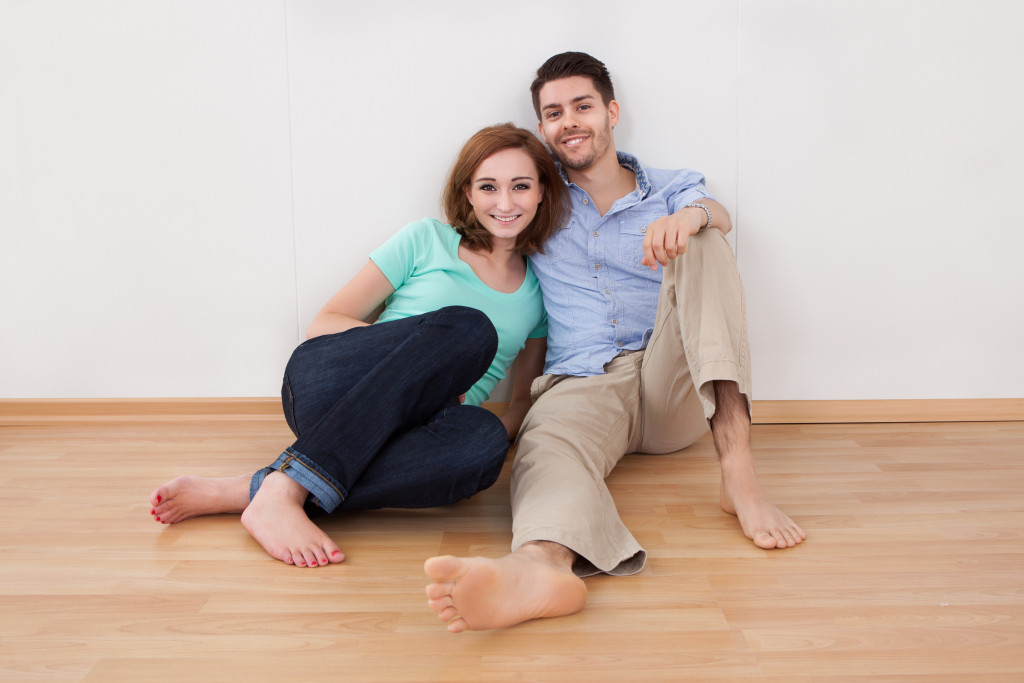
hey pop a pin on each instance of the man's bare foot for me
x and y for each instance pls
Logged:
(276, 519)
(481, 593)
(185, 497)
(741, 491)
(763, 523)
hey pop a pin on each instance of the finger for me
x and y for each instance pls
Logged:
(681, 243)
(659, 253)
(671, 242)
(648, 259)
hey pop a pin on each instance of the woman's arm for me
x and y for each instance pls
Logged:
(353, 303)
(529, 366)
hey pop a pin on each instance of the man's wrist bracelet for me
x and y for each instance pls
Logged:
(707, 211)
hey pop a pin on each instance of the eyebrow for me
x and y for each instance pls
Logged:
(578, 98)
(494, 180)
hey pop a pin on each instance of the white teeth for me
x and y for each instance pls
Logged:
(505, 220)
(574, 142)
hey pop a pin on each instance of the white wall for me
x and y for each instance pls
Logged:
(183, 184)
(145, 199)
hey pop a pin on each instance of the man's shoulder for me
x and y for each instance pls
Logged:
(654, 180)
(663, 177)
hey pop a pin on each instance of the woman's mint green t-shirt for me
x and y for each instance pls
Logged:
(422, 263)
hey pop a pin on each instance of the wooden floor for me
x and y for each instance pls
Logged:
(913, 569)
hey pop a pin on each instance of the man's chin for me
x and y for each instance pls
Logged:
(575, 164)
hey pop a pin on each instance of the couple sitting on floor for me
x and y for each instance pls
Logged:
(553, 264)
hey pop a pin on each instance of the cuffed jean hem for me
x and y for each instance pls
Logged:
(296, 466)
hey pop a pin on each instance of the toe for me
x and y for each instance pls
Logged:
(763, 539)
(441, 603)
(442, 568)
(436, 591)
(321, 557)
(458, 625)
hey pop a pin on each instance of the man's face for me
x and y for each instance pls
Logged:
(575, 123)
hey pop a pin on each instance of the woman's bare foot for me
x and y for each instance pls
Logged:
(276, 519)
(185, 497)
(480, 593)
(763, 523)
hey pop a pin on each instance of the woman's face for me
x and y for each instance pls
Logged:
(505, 191)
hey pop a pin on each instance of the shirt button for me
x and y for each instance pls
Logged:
(596, 233)
(643, 229)
(597, 267)
(607, 292)
(618, 343)
(614, 321)
(586, 201)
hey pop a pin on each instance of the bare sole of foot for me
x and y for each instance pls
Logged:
(184, 497)
(480, 593)
(275, 518)
(763, 523)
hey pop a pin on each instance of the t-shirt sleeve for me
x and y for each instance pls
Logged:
(398, 256)
(542, 328)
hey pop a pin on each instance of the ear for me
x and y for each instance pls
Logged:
(469, 194)
(613, 112)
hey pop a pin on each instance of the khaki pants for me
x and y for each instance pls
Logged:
(580, 427)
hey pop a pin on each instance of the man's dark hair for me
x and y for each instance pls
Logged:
(570, 64)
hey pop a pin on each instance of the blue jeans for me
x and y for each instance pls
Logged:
(376, 414)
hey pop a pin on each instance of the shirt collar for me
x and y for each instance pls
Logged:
(626, 161)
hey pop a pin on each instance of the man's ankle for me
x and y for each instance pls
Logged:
(551, 552)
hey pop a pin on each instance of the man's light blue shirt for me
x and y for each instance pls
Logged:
(600, 300)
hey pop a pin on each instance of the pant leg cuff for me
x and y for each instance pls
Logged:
(590, 561)
(297, 467)
(720, 370)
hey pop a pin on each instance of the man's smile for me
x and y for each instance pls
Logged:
(573, 140)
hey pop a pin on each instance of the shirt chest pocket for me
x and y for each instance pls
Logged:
(559, 246)
(631, 242)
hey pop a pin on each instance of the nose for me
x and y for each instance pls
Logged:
(505, 202)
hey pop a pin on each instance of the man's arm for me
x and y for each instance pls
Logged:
(666, 237)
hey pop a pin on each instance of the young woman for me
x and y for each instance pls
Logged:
(387, 414)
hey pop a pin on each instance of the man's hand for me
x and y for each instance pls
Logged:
(666, 237)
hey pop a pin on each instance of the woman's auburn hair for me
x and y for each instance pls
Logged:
(552, 212)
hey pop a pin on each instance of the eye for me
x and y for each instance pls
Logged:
(522, 186)
(552, 114)
(486, 187)
(584, 107)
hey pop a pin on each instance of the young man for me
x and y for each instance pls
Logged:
(639, 360)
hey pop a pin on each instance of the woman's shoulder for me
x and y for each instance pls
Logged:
(430, 230)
